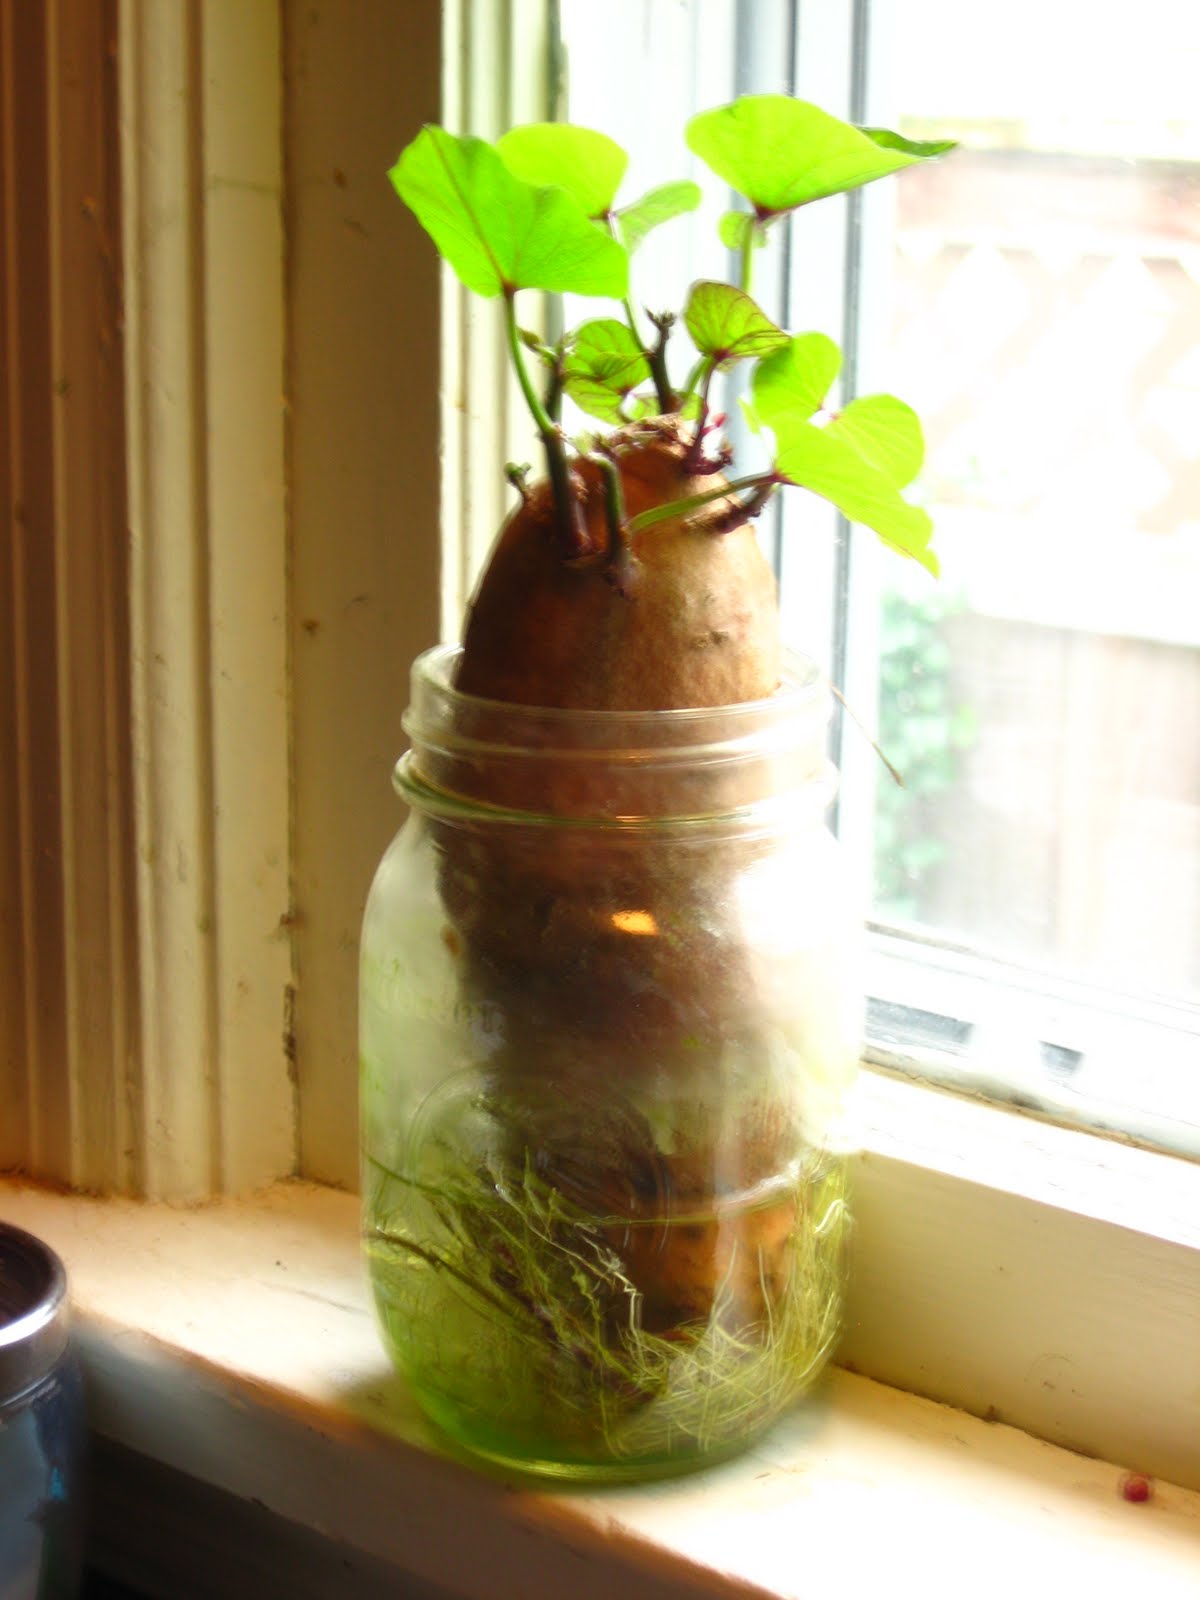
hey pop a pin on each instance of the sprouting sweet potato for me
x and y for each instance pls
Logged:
(640, 1191)
(687, 615)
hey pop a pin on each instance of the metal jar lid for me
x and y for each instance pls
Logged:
(33, 1312)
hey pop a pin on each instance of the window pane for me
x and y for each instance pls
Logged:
(1043, 701)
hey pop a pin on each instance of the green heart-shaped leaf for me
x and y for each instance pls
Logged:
(597, 400)
(604, 363)
(606, 347)
(885, 432)
(587, 164)
(816, 459)
(860, 460)
(783, 153)
(499, 233)
(660, 205)
(791, 384)
(726, 324)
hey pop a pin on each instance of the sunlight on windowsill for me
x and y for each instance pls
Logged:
(235, 1343)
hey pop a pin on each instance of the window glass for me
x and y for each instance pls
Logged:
(1035, 884)
(1044, 700)
(1039, 304)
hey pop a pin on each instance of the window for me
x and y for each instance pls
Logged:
(1036, 882)
(276, 294)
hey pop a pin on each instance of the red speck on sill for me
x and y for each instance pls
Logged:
(1135, 1488)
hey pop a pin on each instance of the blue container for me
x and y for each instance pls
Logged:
(41, 1426)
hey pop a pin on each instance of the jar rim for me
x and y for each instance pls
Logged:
(802, 688)
(689, 767)
(33, 1312)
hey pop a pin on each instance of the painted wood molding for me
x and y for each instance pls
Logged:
(144, 867)
(364, 320)
(204, 275)
(500, 69)
(401, 418)
(252, 453)
(69, 1032)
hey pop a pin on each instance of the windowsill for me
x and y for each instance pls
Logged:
(234, 1343)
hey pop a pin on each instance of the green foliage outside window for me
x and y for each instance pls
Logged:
(924, 732)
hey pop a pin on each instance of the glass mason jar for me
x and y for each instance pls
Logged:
(609, 1013)
(41, 1425)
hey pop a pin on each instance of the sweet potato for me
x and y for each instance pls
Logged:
(690, 619)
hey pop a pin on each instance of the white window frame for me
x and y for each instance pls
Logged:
(1045, 1275)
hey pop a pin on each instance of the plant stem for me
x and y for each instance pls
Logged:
(744, 511)
(538, 412)
(517, 474)
(693, 502)
(696, 450)
(657, 357)
(654, 354)
(748, 244)
(555, 386)
(556, 457)
(627, 302)
(622, 567)
(693, 377)
(614, 501)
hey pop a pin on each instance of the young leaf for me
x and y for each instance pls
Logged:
(604, 363)
(782, 153)
(534, 341)
(596, 400)
(816, 459)
(499, 233)
(660, 205)
(727, 325)
(587, 164)
(860, 460)
(791, 384)
(885, 432)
